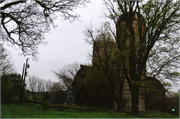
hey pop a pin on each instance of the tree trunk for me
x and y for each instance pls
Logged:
(120, 82)
(34, 97)
(120, 104)
(135, 101)
(119, 101)
(119, 107)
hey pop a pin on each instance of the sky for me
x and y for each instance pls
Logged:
(66, 44)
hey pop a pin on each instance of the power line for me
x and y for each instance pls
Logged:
(59, 60)
(64, 50)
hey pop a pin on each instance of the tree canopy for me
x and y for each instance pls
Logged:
(24, 22)
(148, 40)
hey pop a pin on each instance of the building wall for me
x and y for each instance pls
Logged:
(127, 97)
(99, 48)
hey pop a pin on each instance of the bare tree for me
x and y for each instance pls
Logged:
(24, 22)
(33, 85)
(48, 85)
(40, 88)
(66, 74)
(37, 87)
(6, 66)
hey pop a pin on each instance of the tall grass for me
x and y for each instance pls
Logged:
(30, 110)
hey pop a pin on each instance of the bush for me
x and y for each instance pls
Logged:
(10, 87)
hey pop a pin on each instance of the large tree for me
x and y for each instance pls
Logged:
(150, 44)
(106, 64)
(24, 22)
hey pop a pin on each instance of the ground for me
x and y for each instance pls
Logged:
(31, 110)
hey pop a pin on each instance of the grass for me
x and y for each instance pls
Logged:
(30, 110)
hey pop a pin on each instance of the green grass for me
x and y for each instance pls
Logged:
(30, 110)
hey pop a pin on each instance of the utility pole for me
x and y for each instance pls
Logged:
(24, 73)
(179, 103)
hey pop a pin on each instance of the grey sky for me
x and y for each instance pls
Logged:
(66, 44)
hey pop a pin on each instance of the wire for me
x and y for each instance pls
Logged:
(64, 50)
(59, 60)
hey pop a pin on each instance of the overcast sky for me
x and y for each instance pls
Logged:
(66, 44)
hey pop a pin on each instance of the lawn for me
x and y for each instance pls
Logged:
(30, 110)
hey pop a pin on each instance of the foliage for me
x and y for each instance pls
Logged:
(98, 94)
(105, 64)
(10, 87)
(24, 22)
(56, 86)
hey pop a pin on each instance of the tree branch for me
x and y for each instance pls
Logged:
(11, 4)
